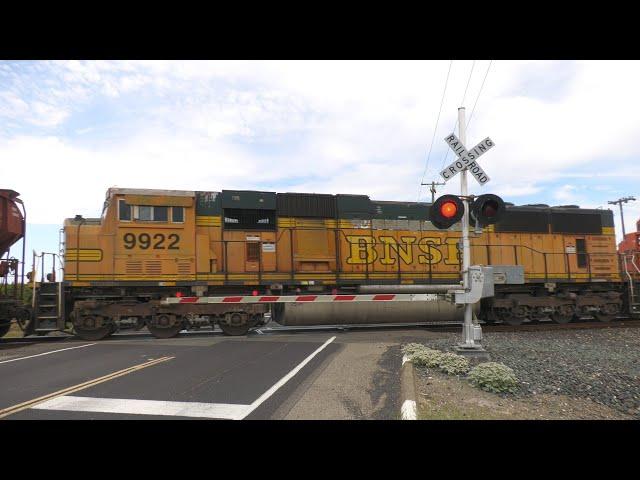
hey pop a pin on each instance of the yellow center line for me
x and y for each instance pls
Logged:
(30, 403)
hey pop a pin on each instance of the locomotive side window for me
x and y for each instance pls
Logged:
(145, 213)
(161, 214)
(148, 213)
(124, 210)
(177, 215)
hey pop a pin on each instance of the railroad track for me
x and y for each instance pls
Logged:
(580, 325)
(271, 330)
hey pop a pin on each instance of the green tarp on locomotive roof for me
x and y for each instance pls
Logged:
(544, 219)
(354, 206)
(362, 207)
(400, 210)
(248, 199)
(212, 203)
(525, 218)
(310, 205)
(208, 204)
(348, 207)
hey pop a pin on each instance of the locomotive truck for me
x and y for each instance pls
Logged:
(557, 263)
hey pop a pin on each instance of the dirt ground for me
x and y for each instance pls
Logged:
(443, 397)
(14, 331)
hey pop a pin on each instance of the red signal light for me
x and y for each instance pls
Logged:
(255, 293)
(445, 211)
(448, 209)
(179, 294)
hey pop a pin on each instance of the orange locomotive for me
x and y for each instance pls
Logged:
(629, 249)
(558, 263)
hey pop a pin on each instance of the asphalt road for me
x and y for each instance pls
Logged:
(281, 375)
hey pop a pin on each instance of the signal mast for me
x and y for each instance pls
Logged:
(447, 210)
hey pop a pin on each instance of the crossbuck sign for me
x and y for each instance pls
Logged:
(467, 159)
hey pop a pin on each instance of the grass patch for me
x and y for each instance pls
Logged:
(456, 412)
(494, 377)
(453, 364)
(427, 358)
(423, 356)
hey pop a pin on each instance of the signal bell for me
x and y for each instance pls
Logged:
(487, 209)
(445, 211)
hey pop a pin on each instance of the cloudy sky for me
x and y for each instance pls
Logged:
(564, 131)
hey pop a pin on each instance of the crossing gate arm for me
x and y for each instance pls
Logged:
(381, 297)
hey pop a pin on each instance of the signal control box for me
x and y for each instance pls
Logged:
(481, 285)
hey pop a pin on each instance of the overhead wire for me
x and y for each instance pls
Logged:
(426, 167)
(479, 92)
(464, 96)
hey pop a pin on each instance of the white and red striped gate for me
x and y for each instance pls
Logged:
(381, 297)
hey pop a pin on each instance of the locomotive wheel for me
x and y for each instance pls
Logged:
(164, 332)
(514, 320)
(93, 334)
(564, 314)
(164, 326)
(607, 313)
(234, 330)
(602, 317)
(490, 317)
(4, 329)
(235, 327)
(515, 316)
(92, 328)
(559, 318)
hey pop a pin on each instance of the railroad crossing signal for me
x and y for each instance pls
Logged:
(445, 211)
(487, 209)
(467, 159)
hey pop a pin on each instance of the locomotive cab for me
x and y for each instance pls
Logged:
(142, 235)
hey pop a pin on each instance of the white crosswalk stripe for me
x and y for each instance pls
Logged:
(145, 407)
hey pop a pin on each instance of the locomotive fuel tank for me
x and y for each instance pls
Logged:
(359, 313)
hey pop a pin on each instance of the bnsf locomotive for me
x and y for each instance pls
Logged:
(550, 262)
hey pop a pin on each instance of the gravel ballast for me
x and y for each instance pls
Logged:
(602, 365)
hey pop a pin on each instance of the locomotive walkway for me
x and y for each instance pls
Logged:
(307, 375)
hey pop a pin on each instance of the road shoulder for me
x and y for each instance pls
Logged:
(360, 381)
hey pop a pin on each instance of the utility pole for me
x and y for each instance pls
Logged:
(432, 189)
(620, 201)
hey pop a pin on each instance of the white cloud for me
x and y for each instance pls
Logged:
(336, 127)
(565, 193)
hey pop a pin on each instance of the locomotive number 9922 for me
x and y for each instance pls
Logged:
(157, 241)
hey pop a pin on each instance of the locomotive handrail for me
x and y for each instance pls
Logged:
(375, 242)
(633, 262)
(626, 269)
(427, 248)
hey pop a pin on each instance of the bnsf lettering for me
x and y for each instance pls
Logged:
(144, 242)
(404, 250)
(362, 250)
